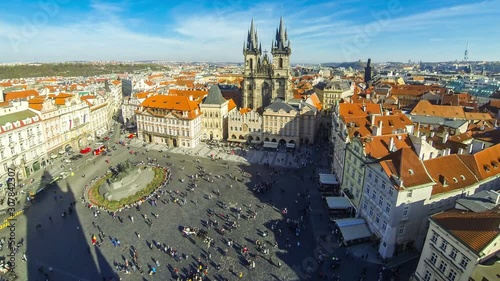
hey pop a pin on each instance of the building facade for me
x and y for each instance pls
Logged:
(451, 253)
(245, 125)
(22, 143)
(170, 120)
(215, 110)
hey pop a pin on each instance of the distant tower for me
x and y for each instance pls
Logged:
(368, 71)
(265, 80)
(466, 53)
(281, 51)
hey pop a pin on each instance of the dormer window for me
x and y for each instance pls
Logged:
(455, 180)
(486, 168)
(494, 164)
(462, 177)
(410, 171)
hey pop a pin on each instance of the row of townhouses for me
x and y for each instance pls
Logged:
(37, 126)
(399, 168)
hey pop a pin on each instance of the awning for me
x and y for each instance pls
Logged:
(290, 145)
(353, 229)
(338, 202)
(327, 179)
(237, 140)
(270, 144)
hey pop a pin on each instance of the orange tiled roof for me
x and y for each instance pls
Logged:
(21, 95)
(478, 116)
(36, 103)
(356, 109)
(143, 95)
(405, 165)
(231, 105)
(378, 146)
(245, 110)
(416, 90)
(450, 168)
(116, 82)
(424, 107)
(315, 100)
(176, 103)
(475, 230)
(485, 163)
(5, 84)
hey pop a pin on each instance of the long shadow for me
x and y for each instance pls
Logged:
(56, 246)
(288, 192)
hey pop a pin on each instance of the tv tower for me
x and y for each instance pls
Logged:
(466, 54)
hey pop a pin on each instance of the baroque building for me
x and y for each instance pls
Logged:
(265, 79)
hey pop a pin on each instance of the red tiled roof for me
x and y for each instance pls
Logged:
(405, 165)
(449, 173)
(485, 163)
(175, 103)
(474, 230)
(21, 95)
(231, 105)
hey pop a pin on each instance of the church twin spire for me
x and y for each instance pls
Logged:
(279, 44)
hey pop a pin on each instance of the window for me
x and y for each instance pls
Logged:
(359, 178)
(387, 207)
(401, 230)
(371, 211)
(391, 192)
(465, 261)
(374, 195)
(427, 276)
(405, 211)
(452, 275)
(377, 218)
(365, 206)
(434, 237)
(383, 185)
(368, 190)
(380, 201)
(376, 179)
(444, 245)
(409, 194)
(384, 225)
(433, 258)
(453, 254)
(370, 175)
(442, 266)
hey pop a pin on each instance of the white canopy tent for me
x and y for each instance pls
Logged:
(270, 144)
(338, 202)
(353, 229)
(329, 179)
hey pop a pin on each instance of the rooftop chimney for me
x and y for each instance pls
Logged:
(392, 147)
(461, 151)
(364, 107)
(482, 125)
(372, 119)
(445, 136)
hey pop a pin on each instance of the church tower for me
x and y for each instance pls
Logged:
(257, 84)
(281, 51)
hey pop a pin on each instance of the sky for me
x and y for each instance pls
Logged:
(319, 31)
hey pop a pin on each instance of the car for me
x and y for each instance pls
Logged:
(86, 150)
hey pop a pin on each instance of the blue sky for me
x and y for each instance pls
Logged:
(319, 31)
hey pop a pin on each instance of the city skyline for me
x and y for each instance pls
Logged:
(323, 31)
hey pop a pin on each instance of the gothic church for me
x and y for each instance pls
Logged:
(266, 80)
